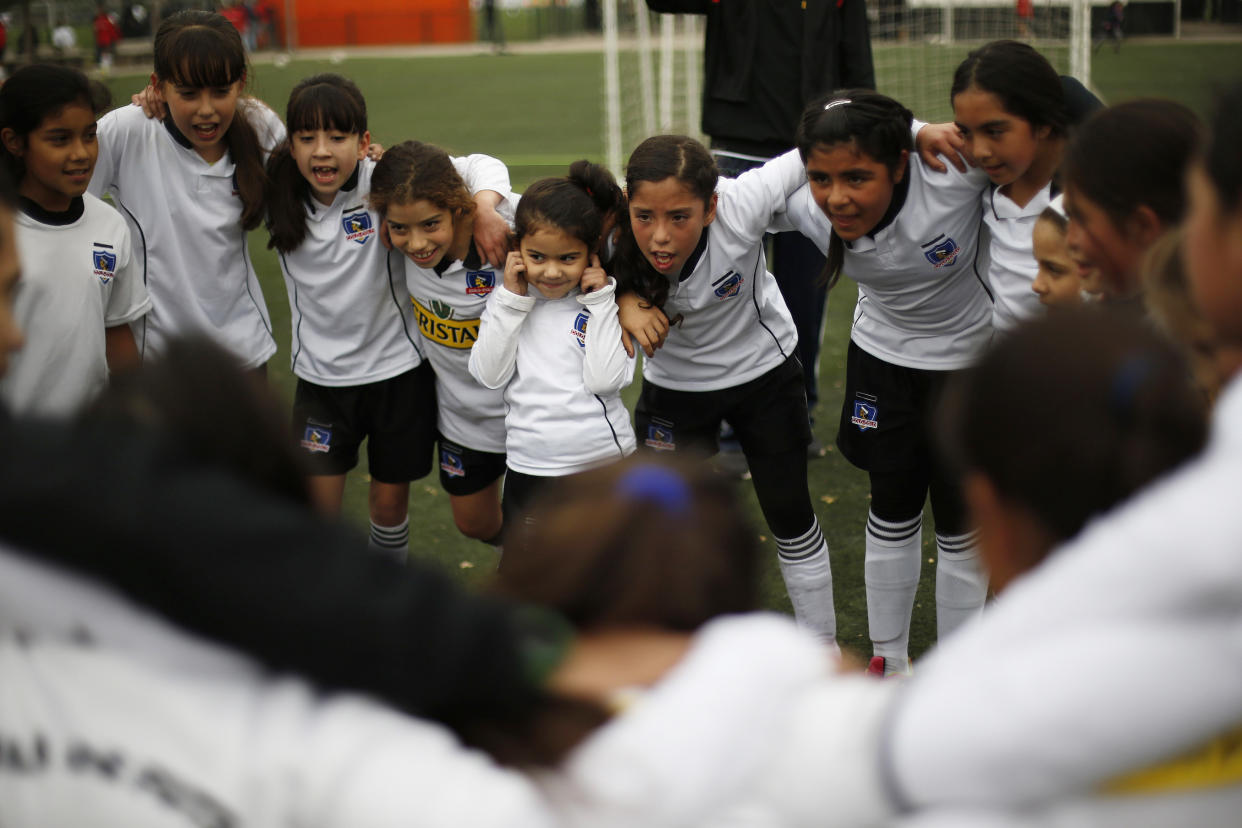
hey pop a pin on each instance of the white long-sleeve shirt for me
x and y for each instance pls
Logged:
(562, 366)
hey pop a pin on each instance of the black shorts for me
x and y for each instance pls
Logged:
(768, 415)
(464, 471)
(886, 413)
(397, 418)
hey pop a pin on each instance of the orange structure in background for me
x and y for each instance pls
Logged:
(377, 22)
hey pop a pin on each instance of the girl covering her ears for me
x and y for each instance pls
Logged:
(1123, 176)
(191, 185)
(426, 207)
(691, 250)
(908, 238)
(360, 371)
(79, 289)
(550, 338)
(1010, 106)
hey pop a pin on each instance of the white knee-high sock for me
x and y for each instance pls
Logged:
(808, 580)
(961, 583)
(891, 573)
(395, 540)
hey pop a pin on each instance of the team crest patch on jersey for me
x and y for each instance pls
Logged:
(943, 253)
(580, 323)
(105, 265)
(317, 438)
(728, 285)
(451, 463)
(866, 415)
(357, 227)
(480, 282)
(660, 436)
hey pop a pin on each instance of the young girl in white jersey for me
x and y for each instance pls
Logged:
(908, 238)
(550, 338)
(426, 207)
(355, 352)
(191, 185)
(1010, 108)
(79, 288)
(692, 245)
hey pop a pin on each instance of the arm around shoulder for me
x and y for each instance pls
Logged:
(758, 197)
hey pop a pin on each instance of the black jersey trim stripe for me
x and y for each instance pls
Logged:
(612, 429)
(142, 237)
(692, 261)
(396, 300)
(297, 328)
(974, 264)
(267, 325)
(754, 300)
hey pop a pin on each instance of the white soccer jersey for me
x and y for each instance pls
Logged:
(184, 217)
(734, 325)
(352, 321)
(921, 301)
(78, 278)
(1013, 268)
(562, 368)
(448, 302)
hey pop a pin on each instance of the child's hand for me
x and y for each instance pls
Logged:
(594, 277)
(491, 231)
(515, 273)
(641, 322)
(936, 140)
(375, 151)
(152, 104)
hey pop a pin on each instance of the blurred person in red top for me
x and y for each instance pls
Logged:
(107, 33)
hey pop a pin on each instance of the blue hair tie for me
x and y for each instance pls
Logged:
(657, 485)
(1127, 381)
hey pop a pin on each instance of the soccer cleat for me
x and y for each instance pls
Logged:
(882, 667)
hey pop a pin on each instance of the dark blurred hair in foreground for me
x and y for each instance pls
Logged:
(1072, 414)
(198, 396)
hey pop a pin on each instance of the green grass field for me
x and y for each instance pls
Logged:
(537, 112)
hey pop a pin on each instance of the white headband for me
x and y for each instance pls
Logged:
(841, 102)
